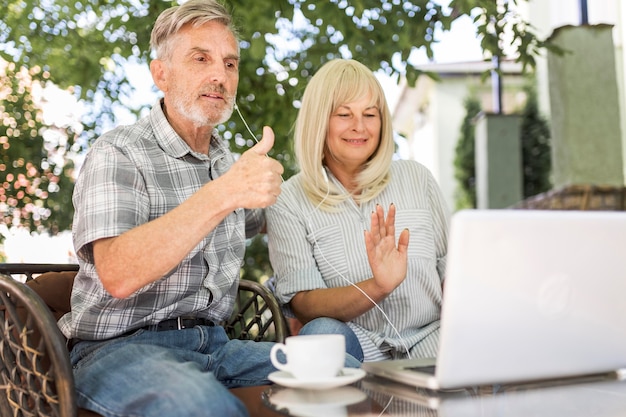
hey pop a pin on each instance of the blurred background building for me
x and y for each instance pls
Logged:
(581, 93)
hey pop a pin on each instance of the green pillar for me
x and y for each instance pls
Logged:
(584, 103)
(498, 158)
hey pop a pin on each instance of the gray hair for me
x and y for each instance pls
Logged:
(194, 12)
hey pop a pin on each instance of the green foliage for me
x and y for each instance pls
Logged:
(87, 44)
(535, 144)
(536, 149)
(496, 21)
(464, 165)
(256, 265)
(35, 173)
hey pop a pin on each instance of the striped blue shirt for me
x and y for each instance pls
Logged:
(311, 249)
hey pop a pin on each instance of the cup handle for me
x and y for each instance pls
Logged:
(279, 365)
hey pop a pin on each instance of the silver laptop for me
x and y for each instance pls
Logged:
(529, 295)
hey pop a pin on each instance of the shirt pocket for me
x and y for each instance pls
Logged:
(329, 252)
(421, 236)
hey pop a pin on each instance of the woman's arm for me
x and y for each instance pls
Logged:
(388, 262)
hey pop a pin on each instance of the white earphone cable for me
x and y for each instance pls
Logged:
(378, 307)
(386, 317)
(245, 123)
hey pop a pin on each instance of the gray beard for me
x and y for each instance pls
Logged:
(198, 117)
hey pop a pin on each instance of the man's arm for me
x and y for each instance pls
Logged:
(140, 256)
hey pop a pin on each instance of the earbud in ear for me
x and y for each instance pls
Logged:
(325, 175)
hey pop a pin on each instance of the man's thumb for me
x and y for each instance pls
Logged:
(266, 142)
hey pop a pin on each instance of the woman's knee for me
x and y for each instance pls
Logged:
(326, 325)
(322, 325)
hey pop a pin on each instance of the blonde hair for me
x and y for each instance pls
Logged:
(194, 12)
(338, 82)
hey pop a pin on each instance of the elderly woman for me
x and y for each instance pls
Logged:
(343, 265)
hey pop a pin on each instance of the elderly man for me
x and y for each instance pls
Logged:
(162, 214)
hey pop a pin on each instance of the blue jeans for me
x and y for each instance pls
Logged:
(183, 373)
(326, 325)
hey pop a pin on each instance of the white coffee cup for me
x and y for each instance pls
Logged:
(311, 357)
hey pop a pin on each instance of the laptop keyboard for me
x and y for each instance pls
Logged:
(429, 369)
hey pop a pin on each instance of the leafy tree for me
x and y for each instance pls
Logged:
(536, 148)
(464, 164)
(35, 172)
(88, 45)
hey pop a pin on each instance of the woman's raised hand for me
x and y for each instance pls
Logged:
(387, 260)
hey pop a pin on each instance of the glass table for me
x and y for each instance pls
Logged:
(589, 397)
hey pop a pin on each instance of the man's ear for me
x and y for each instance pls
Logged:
(158, 69)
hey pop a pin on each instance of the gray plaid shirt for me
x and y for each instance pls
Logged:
(135, 174)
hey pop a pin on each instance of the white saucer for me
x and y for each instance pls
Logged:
(348, 376)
